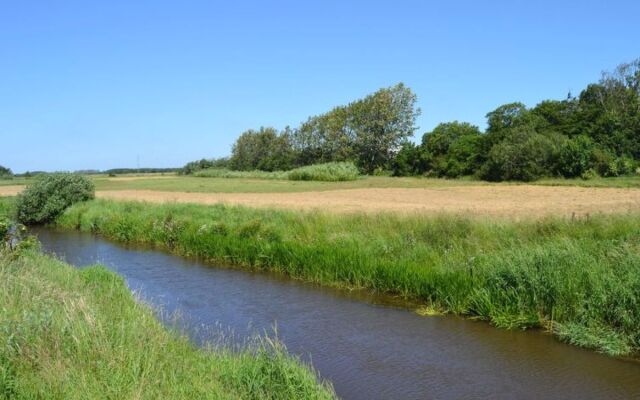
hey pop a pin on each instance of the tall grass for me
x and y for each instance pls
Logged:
(580, 279)
(328, 172)
(79, 334)
(227, 173)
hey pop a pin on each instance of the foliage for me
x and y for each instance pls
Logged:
(199, 165)
(575, 157)
(453, 149)
(410, 160)
(549, 273)
(328, 172)
(5, 173)
(67, 333)
(265, 150)
(49, 195)
(228, 173)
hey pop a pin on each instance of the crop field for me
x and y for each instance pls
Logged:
(380, 194)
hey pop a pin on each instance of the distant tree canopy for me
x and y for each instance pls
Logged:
(596, 133)
(5, 173)
(369, 131)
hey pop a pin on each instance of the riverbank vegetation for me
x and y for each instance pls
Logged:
(76, 334)
(593, 134)
(577, 278)
(50, 194)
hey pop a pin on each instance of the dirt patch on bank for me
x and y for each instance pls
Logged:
(517, 200)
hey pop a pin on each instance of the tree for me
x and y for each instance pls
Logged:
(524, 155)
(265, 149)
(453, 148)
(575, 157)
(410, 160)
(381, 123)
(5, 173)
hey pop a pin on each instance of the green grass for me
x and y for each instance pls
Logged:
(328, 172)
(79, 334)
(580, 279)
(246, 183)
(227, 173)
(614, 182)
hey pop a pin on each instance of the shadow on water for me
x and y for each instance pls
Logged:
(367, 347)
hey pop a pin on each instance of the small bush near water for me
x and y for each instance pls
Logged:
(578, 278)
(328, 172)
(50, 195)
(79, 334)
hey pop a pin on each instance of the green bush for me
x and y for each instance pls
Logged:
(330, 172)
(575, 157)
(50, 195)
(523, 156)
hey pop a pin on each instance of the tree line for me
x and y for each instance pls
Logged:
(595, 133)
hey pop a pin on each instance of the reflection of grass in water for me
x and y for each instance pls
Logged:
(78, 334)
(582, 274)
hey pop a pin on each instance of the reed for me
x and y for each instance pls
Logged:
(579, 278)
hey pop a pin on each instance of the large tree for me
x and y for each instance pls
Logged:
(264, 149)
(381, 123)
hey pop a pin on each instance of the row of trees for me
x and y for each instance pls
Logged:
(597, 132)
(368, 132)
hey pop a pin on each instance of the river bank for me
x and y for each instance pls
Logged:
(76, 334)
(577, 278)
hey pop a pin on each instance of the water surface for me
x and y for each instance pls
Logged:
(367, 347)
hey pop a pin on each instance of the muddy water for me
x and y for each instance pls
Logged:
(368, 348)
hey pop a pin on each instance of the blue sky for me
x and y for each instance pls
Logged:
(99, 84)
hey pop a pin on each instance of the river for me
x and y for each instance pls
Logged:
(368, 346)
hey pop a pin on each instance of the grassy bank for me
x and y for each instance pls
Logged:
(578, 278)
(78, 334)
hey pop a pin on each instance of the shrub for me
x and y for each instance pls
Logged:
(332, 172)
(50, 195)
(575, 157)
(524, 156)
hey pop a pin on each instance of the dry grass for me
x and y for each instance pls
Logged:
(483, 200)
(512, 201)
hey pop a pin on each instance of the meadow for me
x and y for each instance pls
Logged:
(76, 334)
(254, 182)
(578, 278)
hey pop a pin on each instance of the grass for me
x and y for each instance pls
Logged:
(227, 173)
(328, 172)
(246, 183)
(578, 278)
(79, 334)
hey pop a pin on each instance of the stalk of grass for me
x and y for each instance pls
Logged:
(583, 272)
(77, 334)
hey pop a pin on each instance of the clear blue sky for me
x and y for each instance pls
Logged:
(95, 84)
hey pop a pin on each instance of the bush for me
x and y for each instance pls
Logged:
(50, 195)
(575, 157)
(331, 172)
(524, 156)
